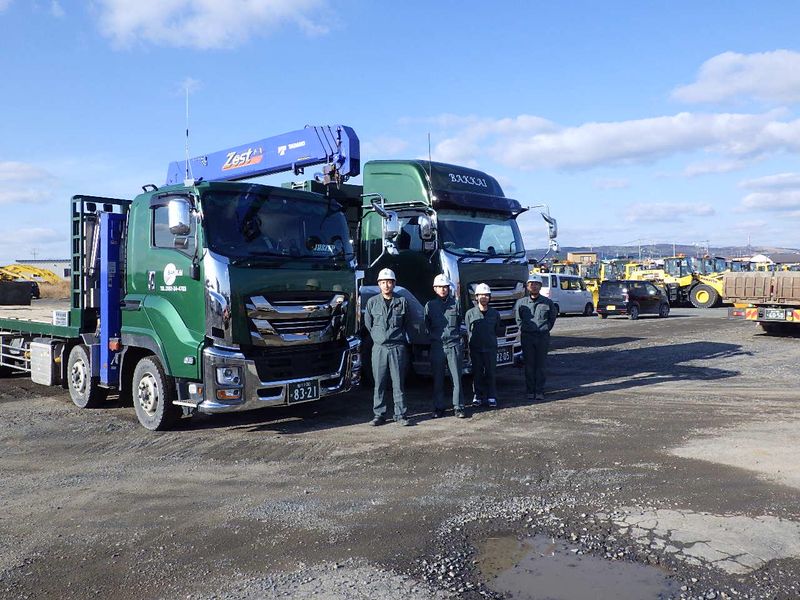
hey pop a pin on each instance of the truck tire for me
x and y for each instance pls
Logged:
(663, 310)
(588, 310)
(633, 312)
(779, 329)
(558, 309)
(84, 389)
(703, 296)
(153, 394)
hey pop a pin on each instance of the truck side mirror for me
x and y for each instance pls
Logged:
(391, 225)
(552, 226)
(425, 228)
(179, 217)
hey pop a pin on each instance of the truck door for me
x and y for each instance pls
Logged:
(173, 301)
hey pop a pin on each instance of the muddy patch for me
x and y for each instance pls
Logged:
(540, 567)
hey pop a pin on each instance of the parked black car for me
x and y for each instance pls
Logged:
(632, 298)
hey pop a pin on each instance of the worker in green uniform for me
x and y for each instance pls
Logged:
(388, 320)
(483, 327)
(443, 326)
(535, 315)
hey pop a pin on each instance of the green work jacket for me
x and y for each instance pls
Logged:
(535, 316)
(443, 321)
(387, 327)
(483, 329)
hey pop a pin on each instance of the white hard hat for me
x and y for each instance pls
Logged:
(534, 279)
(441, 280)
(386, 274)
(482, 288)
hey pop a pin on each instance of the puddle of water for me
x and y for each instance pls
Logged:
(539, 568)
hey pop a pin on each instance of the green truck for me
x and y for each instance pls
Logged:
(422, 218)
(208, 294)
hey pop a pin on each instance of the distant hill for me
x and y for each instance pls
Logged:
(660, 250)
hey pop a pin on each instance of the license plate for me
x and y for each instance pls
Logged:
(504, 355)
(302, 391)
(777, 314)
(611, 307)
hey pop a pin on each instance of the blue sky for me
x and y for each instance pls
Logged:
(654, 121)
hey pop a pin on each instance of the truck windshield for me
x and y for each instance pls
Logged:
(465, 232)
(246, 224)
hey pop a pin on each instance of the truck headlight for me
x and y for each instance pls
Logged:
(229, 375)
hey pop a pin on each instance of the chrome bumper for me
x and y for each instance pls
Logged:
(255, 393)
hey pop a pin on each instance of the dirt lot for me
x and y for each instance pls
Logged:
(666, 442)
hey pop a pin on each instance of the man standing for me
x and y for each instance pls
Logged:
(535, 315)
(443, 326)
(483, 327)
(387, 319)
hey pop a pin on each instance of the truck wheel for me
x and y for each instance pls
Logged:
(633, 312)
(703, 296)
(153, 393)
(557, 309)
(663, 310)
(779, 329)
(588, 310)
(84, 389)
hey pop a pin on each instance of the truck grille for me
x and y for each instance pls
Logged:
(280, 364)
(282, 319)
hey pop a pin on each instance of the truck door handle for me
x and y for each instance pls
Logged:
(151, 281)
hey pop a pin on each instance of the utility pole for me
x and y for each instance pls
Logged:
(34, 251)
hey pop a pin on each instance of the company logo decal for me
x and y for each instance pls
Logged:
(171, 273)
(237, 160)
(293, 146)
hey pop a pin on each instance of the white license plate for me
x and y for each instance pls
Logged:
(302, 391)
(504, 355)
(611, 307)
(775, 314)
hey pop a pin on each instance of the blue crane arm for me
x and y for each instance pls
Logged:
(335, 146)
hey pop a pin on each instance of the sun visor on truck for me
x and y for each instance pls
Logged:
(467, 201)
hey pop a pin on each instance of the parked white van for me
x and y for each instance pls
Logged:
(568, 293)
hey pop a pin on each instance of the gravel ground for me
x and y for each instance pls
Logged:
(669, 442)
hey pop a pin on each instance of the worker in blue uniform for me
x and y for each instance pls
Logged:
(443, 326)
(387, 319)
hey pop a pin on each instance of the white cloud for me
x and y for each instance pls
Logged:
(781, 181)
(56, 9)
(527, 142)
(4, 4)
(715, 167)
(646, 212)
(611, 184)
(773, 201)
(205, 24)
(769, 76)
(20, 171)
(21, 196)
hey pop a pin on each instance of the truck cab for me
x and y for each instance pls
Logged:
(451, 220)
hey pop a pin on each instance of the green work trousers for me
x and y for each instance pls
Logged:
(389, 361)
(534, 353)
(484, 368)
(452, 358)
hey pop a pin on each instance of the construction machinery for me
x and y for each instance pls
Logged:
(21, 271)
